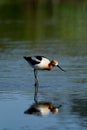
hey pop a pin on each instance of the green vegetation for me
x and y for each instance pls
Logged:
(35, 19)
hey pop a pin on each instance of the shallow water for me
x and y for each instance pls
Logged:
(68, 89)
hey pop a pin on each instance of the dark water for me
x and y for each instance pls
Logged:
(49, 35)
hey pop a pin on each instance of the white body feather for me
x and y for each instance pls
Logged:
(42, 65)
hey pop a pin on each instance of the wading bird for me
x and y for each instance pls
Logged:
(40, 63)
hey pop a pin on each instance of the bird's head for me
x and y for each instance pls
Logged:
(55, 63)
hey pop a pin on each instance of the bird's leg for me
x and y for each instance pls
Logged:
(36, 86)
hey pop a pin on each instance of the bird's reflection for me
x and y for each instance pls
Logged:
(42, 108)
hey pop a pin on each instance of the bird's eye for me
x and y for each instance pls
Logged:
(53, 64)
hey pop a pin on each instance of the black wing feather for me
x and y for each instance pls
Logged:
(32, 61)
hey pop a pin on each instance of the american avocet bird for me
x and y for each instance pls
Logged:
(40, 63)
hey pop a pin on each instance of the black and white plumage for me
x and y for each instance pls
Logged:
(40, 63)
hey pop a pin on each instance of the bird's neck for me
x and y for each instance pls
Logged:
(50, 66)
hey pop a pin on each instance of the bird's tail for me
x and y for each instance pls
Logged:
(25, 57)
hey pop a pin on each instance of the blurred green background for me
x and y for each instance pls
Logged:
(43, 19)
